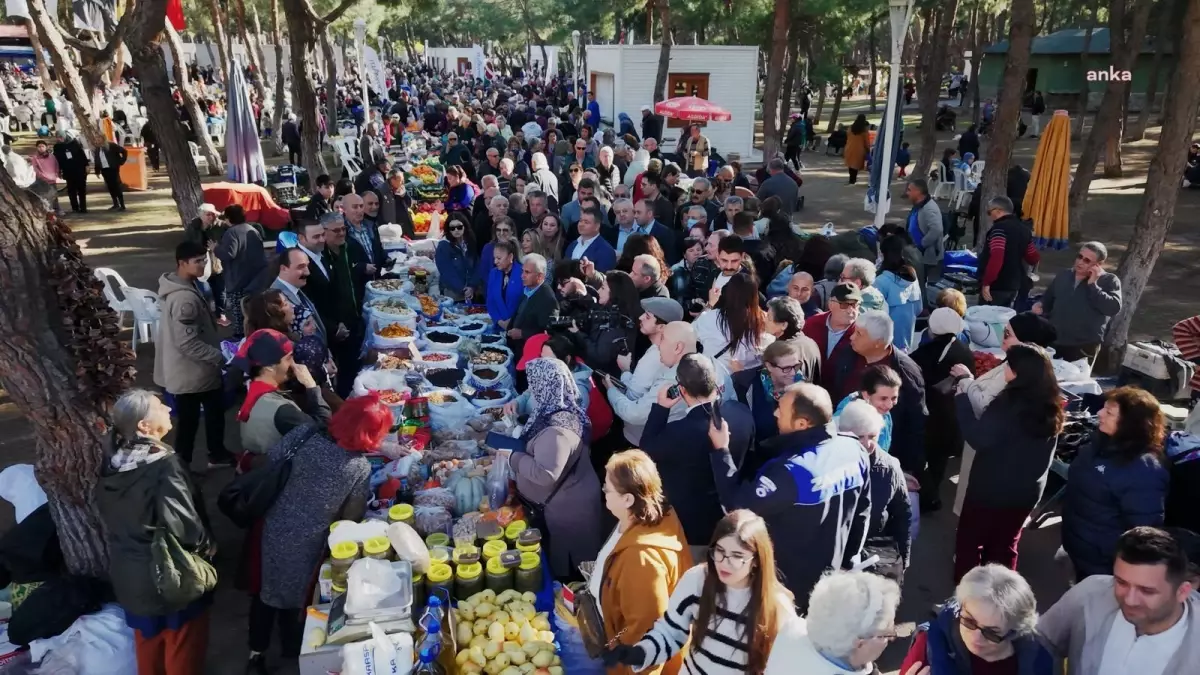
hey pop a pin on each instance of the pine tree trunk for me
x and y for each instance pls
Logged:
(38, 57)
(931, 85)
(216, 166)
(837, 105)
(258, 46)
(331, 120)
(61, 363)
(820, 104)
(253, 52)
(72, 77)
(664, 55)
(1157, 215)
(1085, 86)
(224, 46)
(874, 49)
(304, 96)
(1008, 114)
(1138, 131)
(1124, 47)
(1112, 147)
(280, 92)
(775, 67)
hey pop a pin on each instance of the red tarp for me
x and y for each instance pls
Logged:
(259, 206)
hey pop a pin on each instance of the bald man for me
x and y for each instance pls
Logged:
(800, 288)
(363, 233)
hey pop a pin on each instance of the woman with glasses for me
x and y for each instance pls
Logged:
(726, 610)
(504, 229)
(851, 619)
(456, 259)
(988, 627)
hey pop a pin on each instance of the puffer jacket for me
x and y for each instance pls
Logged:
(1106, 495)
(133, 505)
(939, 645)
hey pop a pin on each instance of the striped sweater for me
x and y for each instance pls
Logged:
(724, 649)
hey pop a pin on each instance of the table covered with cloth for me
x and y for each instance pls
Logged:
(259, 206)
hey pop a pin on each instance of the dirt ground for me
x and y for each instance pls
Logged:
(138, 243)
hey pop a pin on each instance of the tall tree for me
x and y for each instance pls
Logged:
(1126, 29)
(1084, 54)
(224, 46)
(664, 55)
(191, 104)
(62, 363)
(1004, 131)
(280, 80)
(874, 56)
(1157, 214)
(39, 57)
(931, 83)
(775, 66)
(1168, 21)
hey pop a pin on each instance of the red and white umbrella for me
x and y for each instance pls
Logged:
(692, 109)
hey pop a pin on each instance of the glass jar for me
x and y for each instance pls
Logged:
(514, 530)
(499, 577)
(493, 549)
(530, 541)
(377, 548)
(488, 530)
(419, 600)
(440, 555)
(529, 574)
(437, 539)
(439, 582)
(468, 580)
(401, 513)
(342, 557)
(465, 555)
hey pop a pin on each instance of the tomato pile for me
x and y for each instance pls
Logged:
(985, 362)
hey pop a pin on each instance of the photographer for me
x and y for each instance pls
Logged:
(656, 314)
(610, 329)
(681, 272)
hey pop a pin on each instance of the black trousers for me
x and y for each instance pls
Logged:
(347, 354)
(217, 283)
(262, 621)
(188, 407)
(853, 175)
(152, 153)
(112, 181)
(294, 154)
(77, 192)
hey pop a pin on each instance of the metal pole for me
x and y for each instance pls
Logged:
(899, 12)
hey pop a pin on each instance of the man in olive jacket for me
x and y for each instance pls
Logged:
(187, 356)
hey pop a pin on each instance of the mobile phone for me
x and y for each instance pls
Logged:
(622, 346)
(716, 414)
(673, 391)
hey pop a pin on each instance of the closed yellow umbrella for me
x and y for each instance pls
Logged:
(1046, 199)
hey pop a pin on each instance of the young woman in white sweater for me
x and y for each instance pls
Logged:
(731, 607)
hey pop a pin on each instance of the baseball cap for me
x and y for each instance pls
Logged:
(846, 293)
(208, 208)
(262, 348)
(663, 309)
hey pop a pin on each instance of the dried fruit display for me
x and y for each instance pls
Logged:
(395, 330)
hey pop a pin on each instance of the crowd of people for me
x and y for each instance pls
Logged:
(740, 427)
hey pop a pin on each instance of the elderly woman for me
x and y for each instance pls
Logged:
(890, 528)
(329, 481)
(643, 559)
(553, 474)
(1027, 328)
(145, 492)
(936, 357)
(851, 619)
(1116, 483)
(988, 627)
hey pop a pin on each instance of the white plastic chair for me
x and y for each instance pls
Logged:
(216, 130)
(146, 312)
(113, 287)
(199, 159)
(945, 186)
(977, 169)
(352, 167)
(346, 148)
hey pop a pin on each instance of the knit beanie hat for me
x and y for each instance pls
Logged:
(1033, 329)
(945, 321)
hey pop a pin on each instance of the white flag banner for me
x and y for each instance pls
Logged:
(373, 69)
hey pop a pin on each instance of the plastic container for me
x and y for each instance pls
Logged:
(437, 539)
(342, 557)
(499, 577)
(494, 548)
(465, 555)
(401, 513)
(530, 541)
(443, 555)
(529, 574)
(378, 548)
(514, 530)
(488, 530)
(439, 581)
(468, 580)
(418, 589)
(336, 524)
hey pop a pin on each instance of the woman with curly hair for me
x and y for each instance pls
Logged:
(1116, 483)
(643, 244)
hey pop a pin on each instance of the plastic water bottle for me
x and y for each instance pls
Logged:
(431, 619)
(427, 663)
(431, 643)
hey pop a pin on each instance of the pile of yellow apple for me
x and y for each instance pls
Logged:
(504, 635)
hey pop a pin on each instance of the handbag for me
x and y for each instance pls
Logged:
(180, 576)
(591, 622)
(537, 512)
(248, 497)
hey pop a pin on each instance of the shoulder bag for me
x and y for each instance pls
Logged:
(248, 497)
(536, 512)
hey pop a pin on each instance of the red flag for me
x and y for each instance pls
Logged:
(175, 14)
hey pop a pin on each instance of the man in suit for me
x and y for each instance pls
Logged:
(320, 287)
(108, 166)
(537, 306)
(590, 244)
(291, 278)
(681, 448)
(661, 206)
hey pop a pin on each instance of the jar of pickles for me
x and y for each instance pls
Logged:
(488, 530)
(342, 556)
(499, 577)
(378, 548)
(440, 555)
(529, 574)
(530, 541)
(465, 555)
(439, 582)
(514, 530)
(401, 513)
(493, 549)
(468, 580)
(418, 590)
(437, 539)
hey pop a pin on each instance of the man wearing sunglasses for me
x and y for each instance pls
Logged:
(1079, 303)
(1007, 249)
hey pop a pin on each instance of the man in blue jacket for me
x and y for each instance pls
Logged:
(813, 494)
(590, 244)
(504, 289)
(686, 471)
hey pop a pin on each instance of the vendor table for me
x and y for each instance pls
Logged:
(259, 206)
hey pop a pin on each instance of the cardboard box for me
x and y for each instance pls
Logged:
(325, 660)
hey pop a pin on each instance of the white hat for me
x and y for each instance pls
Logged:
(208, 208)
(944, 320)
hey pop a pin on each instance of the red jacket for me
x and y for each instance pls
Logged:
(843, 359)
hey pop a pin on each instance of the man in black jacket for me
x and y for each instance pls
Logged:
(243, 261)
(1007, 248)
(73, 164)
(536, 307)
(320, 286)
(651, 124)
(108, 166)
(320, 203)
(687, 473)
(289, 133)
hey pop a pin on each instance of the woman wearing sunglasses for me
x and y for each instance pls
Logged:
(456, 259)
(988, 627)
(730, 607)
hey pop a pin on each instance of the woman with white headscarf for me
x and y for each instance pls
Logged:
(554, 473)
(641, 159)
